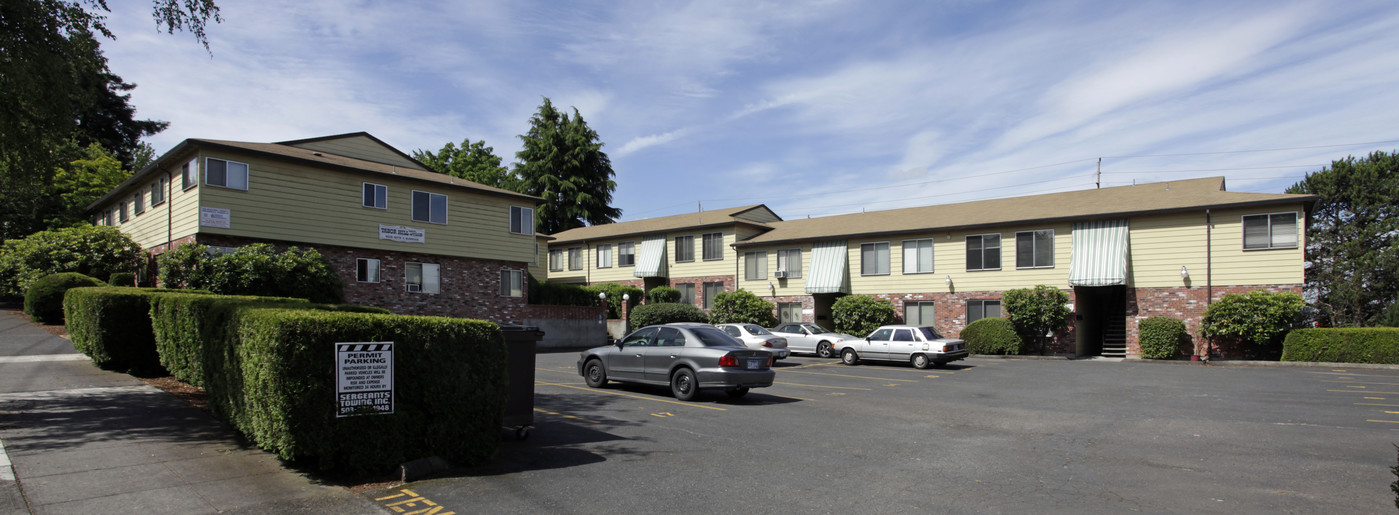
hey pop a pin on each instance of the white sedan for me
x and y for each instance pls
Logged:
(812, 338)
(920, 345)
(753, 335)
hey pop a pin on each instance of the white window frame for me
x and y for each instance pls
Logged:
(555, 260)
(431, 199)
(575, 258)
(917, 305)
(1034, 249)
(158, 191)
(687, 293)
(626, 253)
(366, 270)
(982, 303)
(1272, 236)
(786, 310)
(916, 264)
(232, 179)
(755, 265)
(881, 267)
(189, 175)
(684, 249)
(429, 277)
(981, 238)
(708, 298)
(790, 261)
(522, 220)
(604, 255)
(381, 195)
(512, 283)
(717, 238)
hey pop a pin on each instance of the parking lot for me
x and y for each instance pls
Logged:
(982, 435)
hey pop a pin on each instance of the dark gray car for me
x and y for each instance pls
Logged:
(687, 357)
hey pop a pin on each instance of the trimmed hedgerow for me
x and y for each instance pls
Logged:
(614, 293)
(665, 313)
(112, 325)
(1343, 345)
(558, 294)
(1162, 337)
(43, 302)
(663, 294)
(122, 279)
(993, 335)
(187, 329)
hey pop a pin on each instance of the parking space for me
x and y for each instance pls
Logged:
(979, 435)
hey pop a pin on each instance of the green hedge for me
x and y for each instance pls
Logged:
(665, 313)
(1161, 337)
(742, 307)
(663, 294)
(278, 387)
(43, 301)
(558, 294)
(860, 315)
(112, 325)
(1343, 345)
(189, 330)
(993, 335)
(122, 279)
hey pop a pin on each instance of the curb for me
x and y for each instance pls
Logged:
(1212, 363)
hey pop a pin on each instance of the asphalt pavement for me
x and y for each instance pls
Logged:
(78, 439)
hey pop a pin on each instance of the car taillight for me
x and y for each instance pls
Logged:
(770, 361)
(728, 361)
(767, 344)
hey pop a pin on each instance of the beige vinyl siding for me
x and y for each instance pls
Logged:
(783, 287)
(1235, 266)
(540, 268)
(148, 229)
(292, 203)
(699, 267)
(1162, 244)
(360, 147)
(184, 220)
(950, 259)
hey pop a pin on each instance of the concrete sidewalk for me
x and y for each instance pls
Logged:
(78, 439)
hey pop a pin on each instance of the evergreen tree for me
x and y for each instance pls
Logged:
(563, 162)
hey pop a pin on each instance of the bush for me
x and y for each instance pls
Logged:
(1162, 337)
(87, 250)
(663, 294)
(112, 325)
(1258, 317)
(558, 294)
(1037, 311)
(122, 279)
(189, 330)
(1343, 345)
(253, 270)
(44, 300)
(742, 307)
(860, 315)
(614, 293)
(993, 335)
(665, 313)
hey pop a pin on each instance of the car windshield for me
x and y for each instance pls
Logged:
(929, 333)
(815, 329)
(711, 337)
(753, 329)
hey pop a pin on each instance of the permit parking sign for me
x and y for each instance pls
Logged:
(364, 378)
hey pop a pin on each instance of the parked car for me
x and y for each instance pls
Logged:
(810, 338)
(687, 357)
(920, 345)
(756, 337)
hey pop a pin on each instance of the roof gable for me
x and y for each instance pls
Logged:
(745, 215)
(359, 145)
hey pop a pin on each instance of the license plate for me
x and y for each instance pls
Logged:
(754, 364)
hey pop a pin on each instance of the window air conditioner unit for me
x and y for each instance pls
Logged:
(415, 287)
(781, 274)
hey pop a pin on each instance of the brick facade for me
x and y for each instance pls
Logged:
(1188, 304)
(699, 281)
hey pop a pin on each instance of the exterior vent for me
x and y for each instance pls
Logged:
(781, 274)
(415, 287)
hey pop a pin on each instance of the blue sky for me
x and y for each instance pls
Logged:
(813, 108)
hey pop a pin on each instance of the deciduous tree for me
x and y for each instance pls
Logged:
(474, 162)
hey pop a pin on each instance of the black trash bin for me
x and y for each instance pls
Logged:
(520, 342)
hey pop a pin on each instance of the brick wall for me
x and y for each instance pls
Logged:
(1188, 304)
(699, 281)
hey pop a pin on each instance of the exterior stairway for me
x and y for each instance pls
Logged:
(1115, 337)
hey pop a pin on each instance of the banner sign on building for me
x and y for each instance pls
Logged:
(214, 217)
(401, 233)
(364, 378)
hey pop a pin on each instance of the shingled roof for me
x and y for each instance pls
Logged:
(687, 221)
(1160, 197)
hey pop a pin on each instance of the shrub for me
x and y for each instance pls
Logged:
(122, 279)
(44, 300)
(1257, 317)
(1037, 311)
(993, 335)
(87, 250)
(1343, 345)
(742, 307)
(663, 294)
(614, 293)
(189, 329)
(665, 313)
(558, 294)
(112, 325)
(860, 315)
(1162, 337)
(253, 270)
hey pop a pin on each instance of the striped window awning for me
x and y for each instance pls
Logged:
(651, 261)
(830, 272)
(1099, 253)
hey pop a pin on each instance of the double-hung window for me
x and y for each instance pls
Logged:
(575, 258)
(158, 191)
(684, 249)
(225, 174)
(984, 252)
(918, 313)
(1034, 249)
(189, 175)
(604, 255)
(626, 253)
(367, 270)
(874, 258)
(755, 265)
(512, 283)
(789, 312)
(422, 277)
(375, 196)
(687, 293)
(713, 246)
(556, 260)
(122, 212)
(1270, 231)
(429, 207)
(521, 220)
(139, 200)
(789, 262)
(918, 256)
(710, 290)
(979, 309)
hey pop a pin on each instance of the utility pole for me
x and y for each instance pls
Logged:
(1099, 181)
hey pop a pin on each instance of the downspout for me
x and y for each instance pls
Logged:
(1209, 272)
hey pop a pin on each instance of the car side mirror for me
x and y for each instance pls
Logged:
(619, 344)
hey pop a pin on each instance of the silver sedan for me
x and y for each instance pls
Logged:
(811, 338)
(756, 337)
(687, 357)
(920, 345)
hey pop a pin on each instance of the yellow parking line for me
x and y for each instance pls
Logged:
(1385, 421)
(1377, 404)
(1375, 398)
(1371, 393)
(571, 371)
(820, 386)
(629, 395)
(1357, 382)
(567, 416)
(848, 375)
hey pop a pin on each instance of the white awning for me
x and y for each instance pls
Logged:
(1099, 254)
(829, 270)
(652, 261)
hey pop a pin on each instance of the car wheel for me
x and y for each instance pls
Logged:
(594, 374)
(738, 393)
(824, 350)
(683, 384)
(849, 357)
(920, 361)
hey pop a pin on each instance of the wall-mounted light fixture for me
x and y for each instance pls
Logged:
(1184, 274)
(949, 280)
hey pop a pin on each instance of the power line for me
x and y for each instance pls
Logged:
(1255, 150)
